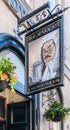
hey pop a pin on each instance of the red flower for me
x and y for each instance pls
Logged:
(4, 75)
(15, 78)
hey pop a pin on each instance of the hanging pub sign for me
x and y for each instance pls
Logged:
(44, 57)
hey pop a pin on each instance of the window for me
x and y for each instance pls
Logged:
(2, 113)
(2, 108)
(18, 116)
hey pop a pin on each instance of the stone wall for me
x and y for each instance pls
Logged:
(8, 21)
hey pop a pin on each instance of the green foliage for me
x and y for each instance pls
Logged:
(7, 72)
(56, 109)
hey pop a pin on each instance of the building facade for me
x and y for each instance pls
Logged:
(65, 89)
(11, 11)
(11, 45)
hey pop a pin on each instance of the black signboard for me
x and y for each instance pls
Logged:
(44, 57)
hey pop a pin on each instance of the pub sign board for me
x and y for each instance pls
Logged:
(44, 57)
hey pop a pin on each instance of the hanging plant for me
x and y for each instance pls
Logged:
(7, 73)
(56, 112)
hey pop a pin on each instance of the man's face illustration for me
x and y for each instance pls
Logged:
(48, 51)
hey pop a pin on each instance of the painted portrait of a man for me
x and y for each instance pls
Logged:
(44, 62)
(44, 57)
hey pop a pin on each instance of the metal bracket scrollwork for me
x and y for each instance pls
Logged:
(49, 97)
(40, 16)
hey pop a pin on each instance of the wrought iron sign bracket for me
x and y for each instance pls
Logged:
(38, 17)
(48, 98)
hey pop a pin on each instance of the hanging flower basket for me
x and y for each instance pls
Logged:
(3, 85)
(7, 74)
(56, 112)
(57, 118)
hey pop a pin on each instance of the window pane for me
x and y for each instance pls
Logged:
(19, 114)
